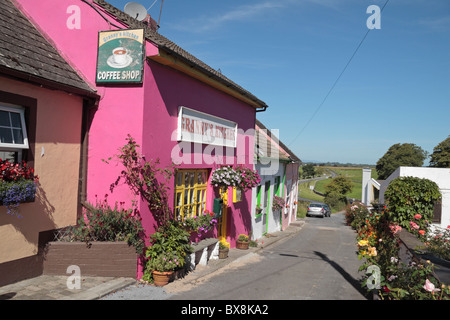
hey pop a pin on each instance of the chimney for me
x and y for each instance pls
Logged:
(151, 23)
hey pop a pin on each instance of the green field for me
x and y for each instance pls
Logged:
(354, 174)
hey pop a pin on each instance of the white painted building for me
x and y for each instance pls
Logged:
(278, 168)
(441, 176)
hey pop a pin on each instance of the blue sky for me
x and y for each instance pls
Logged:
(289, 54)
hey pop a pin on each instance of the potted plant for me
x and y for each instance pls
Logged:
(163, 267)
(258, 209)
(242, 242)
(223, 250)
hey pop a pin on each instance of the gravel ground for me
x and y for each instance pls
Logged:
(138, 292)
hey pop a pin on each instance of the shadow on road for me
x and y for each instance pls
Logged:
(354, 282)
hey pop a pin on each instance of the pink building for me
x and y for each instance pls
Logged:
(171, 104)
(43, 104)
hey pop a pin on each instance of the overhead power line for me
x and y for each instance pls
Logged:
(336, 81)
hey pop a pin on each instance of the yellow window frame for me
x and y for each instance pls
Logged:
(237, 194)
(190, 192)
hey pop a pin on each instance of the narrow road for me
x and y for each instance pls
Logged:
(317, 263)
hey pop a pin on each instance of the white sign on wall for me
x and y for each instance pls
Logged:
(200, 127)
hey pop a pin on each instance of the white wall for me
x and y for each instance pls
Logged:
(273, 220)
(441, 176)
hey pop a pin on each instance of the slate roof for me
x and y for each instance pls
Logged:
(26, 54)
(173, 49)
(265, 146)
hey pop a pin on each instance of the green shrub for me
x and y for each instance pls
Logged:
(411, 202)
(335, 200)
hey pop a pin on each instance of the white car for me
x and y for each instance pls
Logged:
(318, 209)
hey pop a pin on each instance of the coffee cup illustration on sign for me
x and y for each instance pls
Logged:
(119, 58)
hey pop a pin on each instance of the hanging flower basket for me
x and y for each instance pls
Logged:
(239, 177)
(17, 184)
(278, 203)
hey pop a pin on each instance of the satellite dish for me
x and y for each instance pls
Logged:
(136, 10)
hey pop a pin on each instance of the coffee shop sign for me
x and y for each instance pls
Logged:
(120, 56)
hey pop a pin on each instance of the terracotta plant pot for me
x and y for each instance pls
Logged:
(243, 245)
(161, 278)
(223, 253)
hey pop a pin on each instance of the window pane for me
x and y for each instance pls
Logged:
(186, 179)
(186, 196)
(18, 137)
(192, 197)
(178, 203)
(4, 119)
(11, 156)
(192, 179)
(15, 120)
(179, 178)
(6, 135)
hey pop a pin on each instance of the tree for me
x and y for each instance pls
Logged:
(339, 184)
(440, 157)
(406, 154)
(335, 191)
(309, 170)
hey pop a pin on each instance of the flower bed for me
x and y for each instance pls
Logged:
(109, 224)
(388, 273)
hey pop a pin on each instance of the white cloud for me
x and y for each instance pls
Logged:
(437, 24)
(240, 13)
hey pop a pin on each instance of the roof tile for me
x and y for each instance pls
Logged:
(23, 49)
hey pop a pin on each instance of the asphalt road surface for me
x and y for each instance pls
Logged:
(318, 263)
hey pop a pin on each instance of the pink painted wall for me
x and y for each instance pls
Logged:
(165, 91)
(120, 109)
(147, 112)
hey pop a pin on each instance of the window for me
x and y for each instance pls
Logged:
(237, 194)
(190, 192)
(13, 133)
(276, 187)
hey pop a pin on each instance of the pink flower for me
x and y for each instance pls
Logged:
(395, 228)
(414, 225)
(429, 286)
(417, 216)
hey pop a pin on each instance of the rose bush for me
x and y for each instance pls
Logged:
(378, 245)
